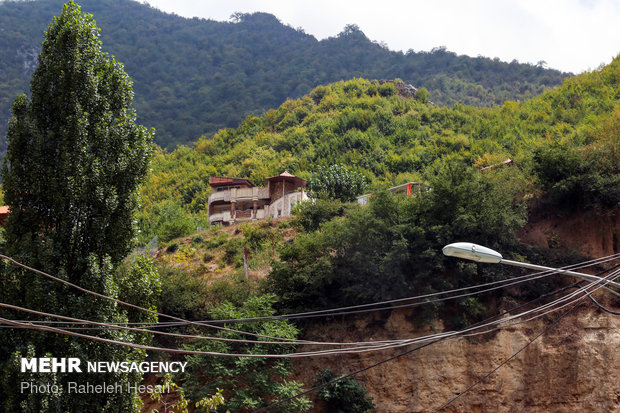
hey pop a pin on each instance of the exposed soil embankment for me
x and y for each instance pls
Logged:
(593, 234)
(574, 367)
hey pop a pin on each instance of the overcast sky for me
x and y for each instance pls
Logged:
(570, 35)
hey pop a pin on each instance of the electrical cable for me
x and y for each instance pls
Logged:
(602, 307)
(371, 346)
(105, 297)
(483, 378)
(290, 355)
(511, 281)
(265, 408)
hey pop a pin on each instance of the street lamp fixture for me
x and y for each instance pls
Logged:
(479, 253)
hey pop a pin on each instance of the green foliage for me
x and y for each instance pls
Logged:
(344, 396)
(236, 290)
(233, 251)
(179, 403)
(224, 71)
(577, 179)
(185, 294)
(422, 95)
(74, 162)
(210, 404)
(168, 220)
(393, 140)
(337, 182)
(248, 383)
(392, 247)
(311, 214)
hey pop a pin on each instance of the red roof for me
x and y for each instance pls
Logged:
(285, 176)
(227, 181)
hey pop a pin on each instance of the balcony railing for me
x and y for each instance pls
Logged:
(244, 215)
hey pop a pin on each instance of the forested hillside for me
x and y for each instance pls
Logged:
(565, 152)
(564, 142)
(194, 76)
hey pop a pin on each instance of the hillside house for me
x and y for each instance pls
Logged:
(237, 199)
(410, 188)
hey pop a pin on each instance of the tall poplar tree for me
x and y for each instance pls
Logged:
(75, 160)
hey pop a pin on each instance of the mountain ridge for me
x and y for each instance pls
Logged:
(193, 77)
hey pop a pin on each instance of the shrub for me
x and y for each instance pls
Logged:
(183, 294)
(345, 395)
(337, 182)
(233, 251)
(174, 247)
(310, 215)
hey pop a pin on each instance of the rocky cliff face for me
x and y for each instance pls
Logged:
(574, 367)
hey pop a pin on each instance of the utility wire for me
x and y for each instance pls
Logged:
(370, 346)
(274, 404)
(331, 312)
(483, 378)
(602, 307)
(105, 297)
(290, 355)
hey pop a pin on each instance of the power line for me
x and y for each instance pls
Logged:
(291, 355)
(340, 311)
(105, 297)
(332, 312)
(369, 346)
(373, 347)
(483, 378)
(264, 409)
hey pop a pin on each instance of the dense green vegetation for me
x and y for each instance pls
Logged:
(194, 76)
(343, 137)
(392, 247)
(247, 382)
(564, 146)
(343, 396)
(390, 140)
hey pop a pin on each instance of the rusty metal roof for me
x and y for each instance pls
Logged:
(226, 181)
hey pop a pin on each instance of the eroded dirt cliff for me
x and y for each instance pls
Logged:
(573, 367)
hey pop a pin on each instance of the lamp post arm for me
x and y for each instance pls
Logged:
(587, 277)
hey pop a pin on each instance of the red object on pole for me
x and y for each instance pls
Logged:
(245, 261)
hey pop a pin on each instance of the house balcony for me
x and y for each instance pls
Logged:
(239, 215)
(239, 194)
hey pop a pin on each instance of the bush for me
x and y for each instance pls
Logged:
(391, 248)
(174, 247)
(387, 89)
(576, 179)
(217, 241)
(343, 396)
(337, 182)
(236, 290)
(310, 215)
(233, 251)
(248, 383)
(183, 294)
